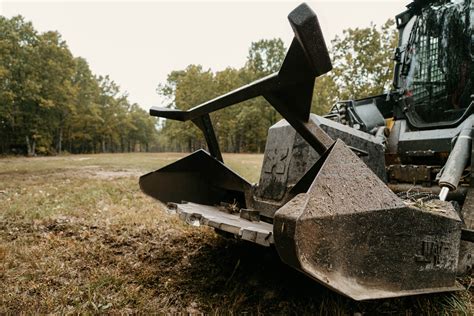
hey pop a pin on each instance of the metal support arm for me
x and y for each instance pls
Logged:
(289, 91)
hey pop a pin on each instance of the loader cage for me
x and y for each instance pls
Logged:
(437, 68)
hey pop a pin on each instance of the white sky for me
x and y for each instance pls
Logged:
(138, 43)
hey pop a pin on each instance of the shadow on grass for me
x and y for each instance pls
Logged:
(83, 268)
(224, 275)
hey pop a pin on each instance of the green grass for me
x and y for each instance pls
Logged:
(247, 165)
(78, 236)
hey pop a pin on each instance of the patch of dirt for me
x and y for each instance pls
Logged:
(96, 172)
(79, 158)
(103, 174)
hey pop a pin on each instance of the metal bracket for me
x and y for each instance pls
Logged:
(205, 125)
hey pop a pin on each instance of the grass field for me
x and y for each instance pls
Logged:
(78, 236)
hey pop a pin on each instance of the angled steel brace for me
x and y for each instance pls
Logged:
(289, 91)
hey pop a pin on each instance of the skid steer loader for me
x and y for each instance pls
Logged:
(374, 199)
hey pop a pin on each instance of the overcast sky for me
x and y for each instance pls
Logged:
(138, 43)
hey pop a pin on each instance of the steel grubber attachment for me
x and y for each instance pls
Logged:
(322, 198)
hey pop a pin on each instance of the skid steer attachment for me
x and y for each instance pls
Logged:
(321, 199)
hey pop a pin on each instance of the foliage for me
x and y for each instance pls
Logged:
(362, 67)
(362, 60)
(51, 101)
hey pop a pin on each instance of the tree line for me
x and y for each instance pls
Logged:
(51, 102)
(363, 66)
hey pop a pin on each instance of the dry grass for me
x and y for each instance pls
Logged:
(77, 236)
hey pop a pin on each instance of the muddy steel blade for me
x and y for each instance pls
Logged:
(355, 236)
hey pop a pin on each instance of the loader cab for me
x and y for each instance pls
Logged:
(434, 67)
